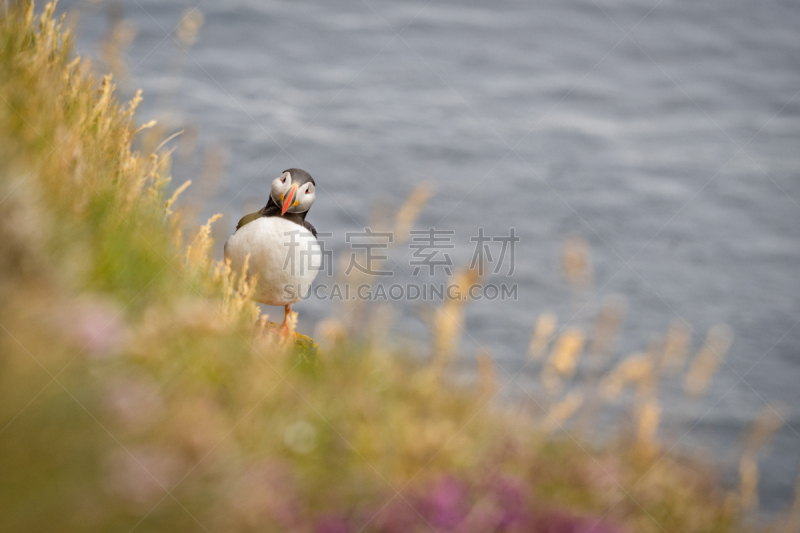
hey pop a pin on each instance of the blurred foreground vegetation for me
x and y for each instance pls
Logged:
(136, 394)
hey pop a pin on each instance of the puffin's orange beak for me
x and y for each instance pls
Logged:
(289, 199)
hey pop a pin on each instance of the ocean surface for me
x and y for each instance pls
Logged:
(665, 132)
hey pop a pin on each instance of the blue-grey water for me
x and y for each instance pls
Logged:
(666, 132)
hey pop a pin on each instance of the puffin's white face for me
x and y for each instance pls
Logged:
(291, 197)
(280, 186)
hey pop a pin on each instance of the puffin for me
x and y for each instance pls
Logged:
(282, 246)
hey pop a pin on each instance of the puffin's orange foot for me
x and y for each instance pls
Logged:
(286, 332)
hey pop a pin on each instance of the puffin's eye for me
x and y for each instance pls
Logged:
(283, 180)
(308, 191)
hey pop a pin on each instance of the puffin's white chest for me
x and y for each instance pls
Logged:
(285, 255)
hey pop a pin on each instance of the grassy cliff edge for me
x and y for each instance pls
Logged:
(134, 394)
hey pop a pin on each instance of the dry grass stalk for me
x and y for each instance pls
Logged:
(169, 203)
(636, 369)
(448, 324)
(197, 253)
(565, 354)
(237, 291)
(576, 261)
(291, 323)
(607, 324)
(761, 432)
(763, 429)
(191, 23)
(261, 327)
(676, 346)
(649, 417)
(449, 318)
(748, 482)
(708, 359)
(542, 334)
(647, 386)
(409, 211)
(563, 411)
(792, 524)
(563, 359)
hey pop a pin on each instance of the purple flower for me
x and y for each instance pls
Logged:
(442, 507)
(500, 506)
(451, 505)
(509, 493)
(445, 506)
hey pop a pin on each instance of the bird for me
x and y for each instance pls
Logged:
(282, 246)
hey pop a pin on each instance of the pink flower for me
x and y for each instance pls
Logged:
(96, 326)
(445, 506)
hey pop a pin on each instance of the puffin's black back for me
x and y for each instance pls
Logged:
(299, 177)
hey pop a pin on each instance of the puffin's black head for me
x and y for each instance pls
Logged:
(294, 191)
